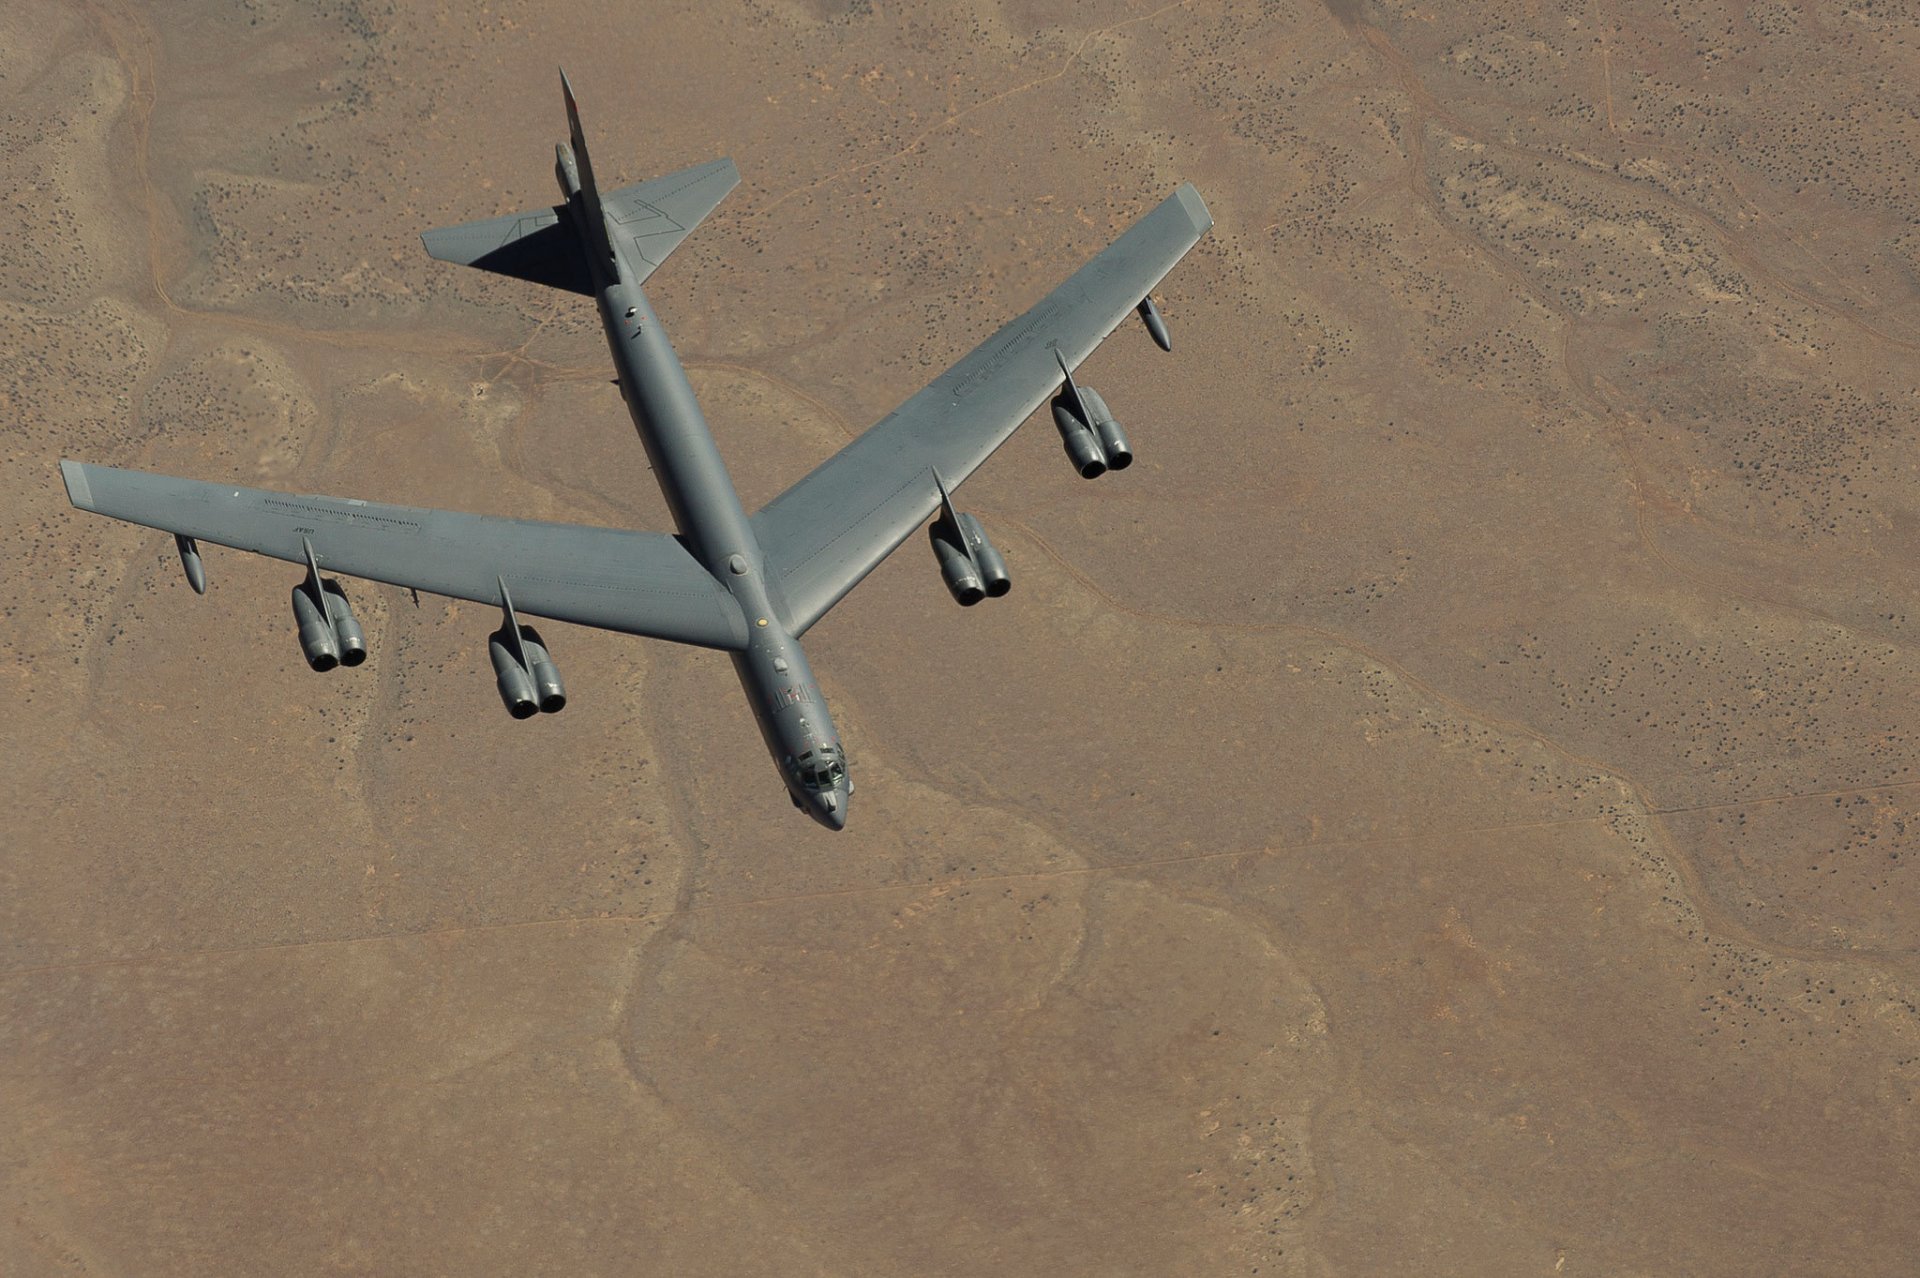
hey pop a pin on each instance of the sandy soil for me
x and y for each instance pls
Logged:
(1450, 808)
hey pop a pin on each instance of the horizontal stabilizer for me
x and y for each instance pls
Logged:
(648, 221)
(644, 224)
(541, 247)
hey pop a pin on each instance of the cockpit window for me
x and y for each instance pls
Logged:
(821, 769)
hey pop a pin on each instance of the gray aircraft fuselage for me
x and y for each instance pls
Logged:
(779, 683)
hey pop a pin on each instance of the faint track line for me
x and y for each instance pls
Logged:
(1770, 800)
(1606, 63)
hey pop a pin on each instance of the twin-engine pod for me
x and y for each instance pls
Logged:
(993, 568)
(970, 565)
(1113, 440)
(528, 678)
(1082, 445)
(330, 635)
(1094, 441)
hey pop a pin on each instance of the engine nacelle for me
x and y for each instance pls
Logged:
(969, 564)
(956, 565)
(993, 569)
(318, 643)
(516, 685)
(1083, 446)
(330, 635)
(1113, 440)
(547, 687)
(346, 626)
(526, 690)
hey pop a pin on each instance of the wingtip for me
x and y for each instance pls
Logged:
(79, 492)
(1189, 197)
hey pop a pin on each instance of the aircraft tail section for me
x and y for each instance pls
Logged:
(641, 224)
(594, 219)
(541, 247)
(647, 221)
(638, 224)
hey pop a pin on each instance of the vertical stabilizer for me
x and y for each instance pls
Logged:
(594, 219)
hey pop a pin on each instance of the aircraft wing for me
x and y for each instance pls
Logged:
(640, 583)
(827, 532)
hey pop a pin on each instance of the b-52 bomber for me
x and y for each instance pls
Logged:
(749, 586)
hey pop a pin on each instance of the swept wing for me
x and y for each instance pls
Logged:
(827, 532)
(640, 583)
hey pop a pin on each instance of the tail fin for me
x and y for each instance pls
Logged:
(595, 219)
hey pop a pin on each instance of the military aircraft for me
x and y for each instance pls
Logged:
(749, 586)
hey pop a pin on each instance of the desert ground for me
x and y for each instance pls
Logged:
(1450, 808)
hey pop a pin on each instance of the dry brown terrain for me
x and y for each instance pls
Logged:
(1451, 808)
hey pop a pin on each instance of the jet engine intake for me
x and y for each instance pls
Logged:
(957, 568)
(986, 558)
(1113, 440)
(1083, 447)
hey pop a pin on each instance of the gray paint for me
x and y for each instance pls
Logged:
(190, 561)
(749, 586)
(833, 527)
(640, 583)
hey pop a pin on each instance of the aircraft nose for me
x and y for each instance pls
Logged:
(830, 809)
